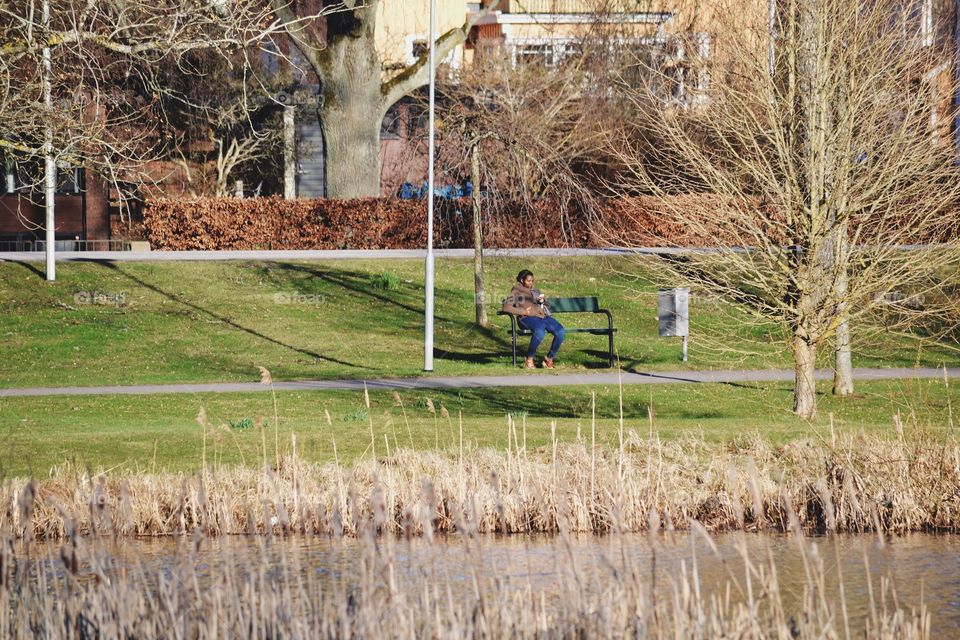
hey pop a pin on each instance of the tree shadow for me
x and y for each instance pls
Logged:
(600, 358)
(221, 318)
(29, 267)
(473, 358)
(355, 281)
(359, 283)
(490, 334)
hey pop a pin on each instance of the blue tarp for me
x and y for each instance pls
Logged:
(409, 191)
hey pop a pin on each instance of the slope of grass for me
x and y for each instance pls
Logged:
(126, 323)
(161, 432)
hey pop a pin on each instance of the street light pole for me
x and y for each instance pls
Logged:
(50, 166)
(428, 284)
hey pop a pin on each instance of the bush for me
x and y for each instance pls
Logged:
(386, 223)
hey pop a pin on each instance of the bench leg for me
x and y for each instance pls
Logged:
(513, 333)
(611, 350)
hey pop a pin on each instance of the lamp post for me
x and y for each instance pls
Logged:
(50, 165)
(428, 284)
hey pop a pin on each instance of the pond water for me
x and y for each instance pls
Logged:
(922, 568)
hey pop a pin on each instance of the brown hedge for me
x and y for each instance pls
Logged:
(381, 223)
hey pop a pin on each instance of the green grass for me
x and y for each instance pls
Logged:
(217, 321)
(145, 433)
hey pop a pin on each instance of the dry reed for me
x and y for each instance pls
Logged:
(856, 484)
(79, 591)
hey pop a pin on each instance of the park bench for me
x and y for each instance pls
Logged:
(587, 304)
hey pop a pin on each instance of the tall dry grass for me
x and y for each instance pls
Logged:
(78, 591)
(853, 484)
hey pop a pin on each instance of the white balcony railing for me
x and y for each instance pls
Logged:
(573, 6)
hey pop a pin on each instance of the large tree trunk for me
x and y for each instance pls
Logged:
(351, 138)
(843, 367)
(351, 115)
(843, 371)
(805, 388)
(479, 294)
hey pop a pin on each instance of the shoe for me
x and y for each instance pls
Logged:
(548, 363)
(529, 363)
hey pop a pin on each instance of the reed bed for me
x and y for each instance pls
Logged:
(77, 591)
(907, 482)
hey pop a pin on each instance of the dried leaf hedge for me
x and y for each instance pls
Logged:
(382, 223)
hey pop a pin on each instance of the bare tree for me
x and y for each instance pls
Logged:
(221, 111)
(525, 132)
(356, 89)
(79, 78)
(822, 162)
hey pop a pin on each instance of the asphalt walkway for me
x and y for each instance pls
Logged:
(331, 254)
(354, 254)
(471, 382)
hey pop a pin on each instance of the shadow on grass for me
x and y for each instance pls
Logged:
(29, 267)
(473, 358)
(221, 318)
(355, 281)
(358, 282)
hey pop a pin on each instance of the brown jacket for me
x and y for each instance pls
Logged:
(521, 302)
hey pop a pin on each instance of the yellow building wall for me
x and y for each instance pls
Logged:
(399, 22)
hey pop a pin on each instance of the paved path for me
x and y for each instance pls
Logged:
(473, 382)
(345, 254)
(354, 254)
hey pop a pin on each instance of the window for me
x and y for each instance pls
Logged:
(69, 180)
(914, 19)
(544, 52)
(392, 123)
(419, 48)
(681, 68)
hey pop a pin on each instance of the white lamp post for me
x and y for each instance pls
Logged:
(50, 166)
(428, 284)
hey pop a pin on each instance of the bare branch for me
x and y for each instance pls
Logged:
(417, 74)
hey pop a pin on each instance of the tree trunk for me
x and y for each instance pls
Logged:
(289, 153)
(843, 373)
(479, 294)
(351, 138)
(843, 367)
(805, 388)
(351, 115)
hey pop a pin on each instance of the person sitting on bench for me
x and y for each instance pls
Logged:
(533, 313)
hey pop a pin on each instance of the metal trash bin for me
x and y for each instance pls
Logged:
(673, 313)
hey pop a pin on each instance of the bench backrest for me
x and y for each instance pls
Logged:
(587, 304)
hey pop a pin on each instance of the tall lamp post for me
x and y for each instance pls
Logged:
(50, 165)
(428, 284)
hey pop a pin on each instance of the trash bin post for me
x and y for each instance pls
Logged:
(673, 315)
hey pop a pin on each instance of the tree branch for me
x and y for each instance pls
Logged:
(294, 28)
(418, 74)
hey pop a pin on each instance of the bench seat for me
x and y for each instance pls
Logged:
(584, 304)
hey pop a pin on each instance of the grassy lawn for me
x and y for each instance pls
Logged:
(128, 433)
(208, 321)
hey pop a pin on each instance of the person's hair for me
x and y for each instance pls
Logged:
(523, 275)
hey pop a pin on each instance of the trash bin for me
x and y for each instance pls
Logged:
(673, 313)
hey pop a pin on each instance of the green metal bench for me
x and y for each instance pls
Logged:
(586, 304)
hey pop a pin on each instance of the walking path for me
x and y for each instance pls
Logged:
(471, 382)
(354, 254)
(333, 254)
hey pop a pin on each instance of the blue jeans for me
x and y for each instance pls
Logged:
(539, 326)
